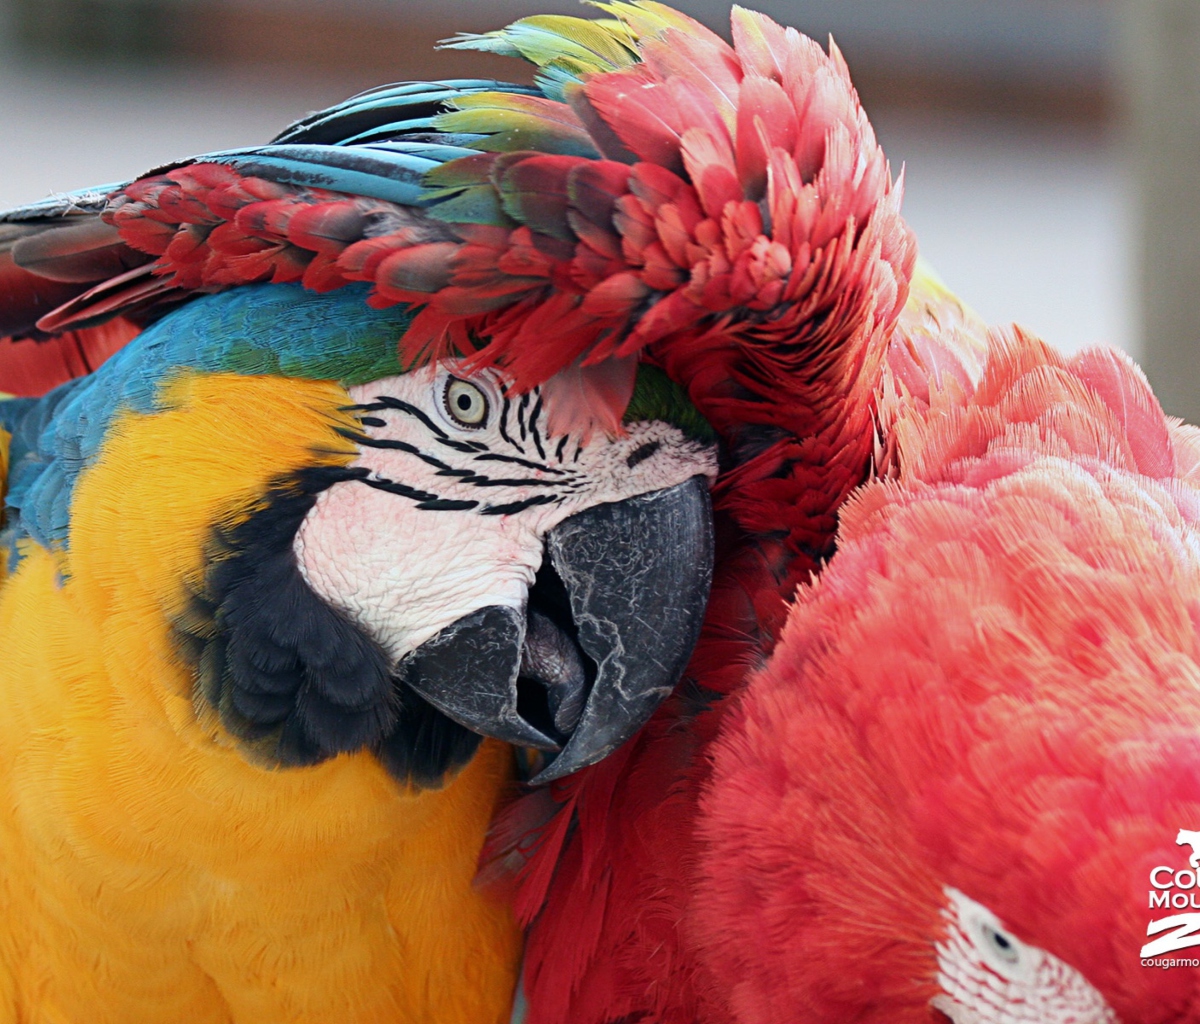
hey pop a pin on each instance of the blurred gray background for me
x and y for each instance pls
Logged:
(1051, 146)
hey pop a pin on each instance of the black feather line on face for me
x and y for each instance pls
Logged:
(292, 676)
(505, 407)
(533, 428)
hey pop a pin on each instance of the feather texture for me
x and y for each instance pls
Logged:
(251, 332)
(746, 191)
(989, 688)
(28, 368)
(228, 892)
(630, 211)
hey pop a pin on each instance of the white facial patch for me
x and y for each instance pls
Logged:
(460, 486)
(989, 976)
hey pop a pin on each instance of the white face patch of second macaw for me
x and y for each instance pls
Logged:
(463, 483)
(989, 976)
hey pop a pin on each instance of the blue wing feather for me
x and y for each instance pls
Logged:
(341, 148)
(393, 174)
(417, 127)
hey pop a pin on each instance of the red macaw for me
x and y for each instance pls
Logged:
(959, 788)
(963, 783)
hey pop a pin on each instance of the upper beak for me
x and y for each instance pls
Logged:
(609, 628)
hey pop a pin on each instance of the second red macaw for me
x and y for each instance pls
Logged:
(962, 783)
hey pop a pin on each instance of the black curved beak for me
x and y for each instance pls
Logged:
(609, 628)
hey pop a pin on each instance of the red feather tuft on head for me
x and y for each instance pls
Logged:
(756, 225)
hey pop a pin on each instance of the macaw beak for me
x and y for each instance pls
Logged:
(608, 629)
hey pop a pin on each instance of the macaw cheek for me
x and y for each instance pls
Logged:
(605, 638)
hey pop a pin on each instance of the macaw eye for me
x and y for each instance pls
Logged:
(465, 403)
(1004, 946)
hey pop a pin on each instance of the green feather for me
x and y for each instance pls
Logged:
(657, 397)
(513, 123)
(567, 48)
(596, 45)
(567, 51)
(461, 192)
(479, 204)
(642, 18)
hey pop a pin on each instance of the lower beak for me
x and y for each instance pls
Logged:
(610, 626)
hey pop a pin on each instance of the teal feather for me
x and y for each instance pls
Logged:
(63, 204)
(394, 173)
(555, 80)
(565, 49)
(406, 101)
(440, 152)
(501, 42)
(418, 126)
(592, 45)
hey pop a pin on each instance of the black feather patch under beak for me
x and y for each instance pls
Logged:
(609, 628)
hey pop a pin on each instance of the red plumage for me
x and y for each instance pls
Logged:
(793, 392)
(754, 204)
(44, 266)
(744, 234)
(746, 196)
(26, 297)
(959, 707)
(990, 688)
(30, 368)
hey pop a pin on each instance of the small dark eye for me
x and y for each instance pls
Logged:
(1002, 945)
(465, 403)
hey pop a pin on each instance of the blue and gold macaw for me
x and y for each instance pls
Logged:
(266, 592)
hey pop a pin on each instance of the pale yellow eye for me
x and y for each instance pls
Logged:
(465, 403)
